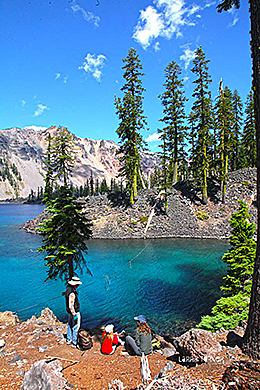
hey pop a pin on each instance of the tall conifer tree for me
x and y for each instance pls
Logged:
(174, 132)
(66, 230)
(202, 121)
(225, 122)
(249, 134)
(235, 158)
(132, 120)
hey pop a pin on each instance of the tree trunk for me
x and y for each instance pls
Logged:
(252, 334)
(71, 267)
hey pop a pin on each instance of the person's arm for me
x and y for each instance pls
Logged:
(71, 304)
(115, 339)
(138, 338)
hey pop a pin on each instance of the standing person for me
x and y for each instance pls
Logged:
(72, 306)
(143, 338)
(110, 340)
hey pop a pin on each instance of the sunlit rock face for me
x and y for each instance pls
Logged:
(22, 161)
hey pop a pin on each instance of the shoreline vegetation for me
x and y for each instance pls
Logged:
(186, 216)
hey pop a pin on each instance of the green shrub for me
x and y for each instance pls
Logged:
(143, 219)
(227, 313)
(202, 215)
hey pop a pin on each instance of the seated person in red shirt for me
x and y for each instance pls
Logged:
(110, 340)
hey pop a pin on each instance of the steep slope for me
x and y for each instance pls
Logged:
(22, 161)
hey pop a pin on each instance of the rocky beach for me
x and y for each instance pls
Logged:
(35, 351)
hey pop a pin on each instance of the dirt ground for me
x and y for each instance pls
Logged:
(90, 369)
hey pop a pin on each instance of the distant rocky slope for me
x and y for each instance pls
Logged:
(22, 168)
(113, 218)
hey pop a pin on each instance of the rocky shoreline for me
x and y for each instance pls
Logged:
(186, 217)
(35, 351)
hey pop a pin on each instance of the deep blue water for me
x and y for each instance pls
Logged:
(172, 281)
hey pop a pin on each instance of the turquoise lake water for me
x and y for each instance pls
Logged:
(172, 281)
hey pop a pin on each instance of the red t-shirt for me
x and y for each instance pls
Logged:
(107, 343)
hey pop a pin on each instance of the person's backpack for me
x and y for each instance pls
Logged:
(84, 340)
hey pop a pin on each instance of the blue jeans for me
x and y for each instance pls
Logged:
(73, 328)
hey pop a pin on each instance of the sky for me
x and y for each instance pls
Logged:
(61, 60)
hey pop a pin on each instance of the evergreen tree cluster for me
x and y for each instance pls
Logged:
(212, 140)
(9, 172)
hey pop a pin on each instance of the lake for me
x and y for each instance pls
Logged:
(171, 281)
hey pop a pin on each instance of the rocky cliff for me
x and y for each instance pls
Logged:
(186, 216)
(22, 155)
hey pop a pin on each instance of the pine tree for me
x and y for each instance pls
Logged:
(64, 236)
(132, 120)
(67, 229)
(173, 101)
(91, 184)
(48, 167)
(235, 158)
(248, 143)
(225, 122)
(240, 257)
(233, 306)
(62, 154)
(202, 118)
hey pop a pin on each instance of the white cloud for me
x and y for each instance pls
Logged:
(152, 137)
(157, 46)
(233, 11)
(165, 18)
(150, 26)
(88, 16)
(93, 64)
(57, 76)
(23, 103)
(65, 79)
(35, 128)
(40, 109)
(188, 56)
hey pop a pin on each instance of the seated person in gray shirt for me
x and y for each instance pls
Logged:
(143, 338)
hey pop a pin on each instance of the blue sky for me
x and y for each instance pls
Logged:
(61, 60)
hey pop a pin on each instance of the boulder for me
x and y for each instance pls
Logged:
(197, 346)
(48, 316)
(8, 318)
(45, 376)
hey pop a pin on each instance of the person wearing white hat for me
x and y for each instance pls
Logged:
(110, 340)
(72, 306)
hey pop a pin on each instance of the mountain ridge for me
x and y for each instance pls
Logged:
(22, 160)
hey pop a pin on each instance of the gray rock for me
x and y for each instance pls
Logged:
(16, 358)
(44, 376)
(20, 373)
(196, 346)
(44, 348)
(169, 351)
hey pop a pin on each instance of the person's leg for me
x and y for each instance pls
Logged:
(114, 348)
(69, 329)
(131, 344)
(75, 330)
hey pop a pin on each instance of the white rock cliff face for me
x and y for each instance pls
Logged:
(22, 158)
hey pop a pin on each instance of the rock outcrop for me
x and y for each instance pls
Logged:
(113, 218)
